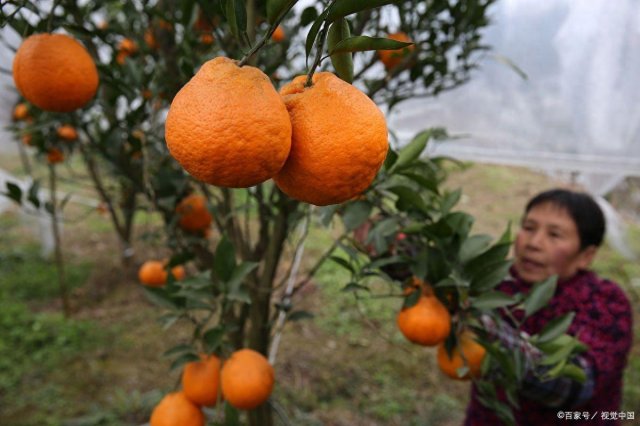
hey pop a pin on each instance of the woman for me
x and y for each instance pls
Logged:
(560, 235)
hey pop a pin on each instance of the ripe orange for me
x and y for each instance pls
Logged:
(339, 140)
(153, 273)
(150, 39)
(392, 58)
(228, 126)
(176, 409)
(193, 213)
(55, 72)
(67, 132)
(121, 57)
(201, 380)
(128, 46)
(473, 352)
(207, 39)
(426, 323)
(20, 112)
(54, 156)
(278, 34)
(247, 379)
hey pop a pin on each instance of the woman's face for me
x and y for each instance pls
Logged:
(548, 243)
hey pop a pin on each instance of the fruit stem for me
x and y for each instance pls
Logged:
(320, 48)
(267, 36)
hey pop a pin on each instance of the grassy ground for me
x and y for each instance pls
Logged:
(347, 366)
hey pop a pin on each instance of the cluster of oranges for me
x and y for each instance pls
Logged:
(321, 143)
(428, 323)
(245, 380)
(65, 133)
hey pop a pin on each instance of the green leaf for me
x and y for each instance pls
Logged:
(408, 198)
(159, 297)
(342, 262)
(313, 32)
(179, 350)
(411, 299)
(390, 159)
(353, 286)
(556, 327)
(487, 261)
(365, 43)
(342, 60)
(495, 276)
(236, 15)
(540, 295)
(184, 359)
(347, 7)
(355, 214)
(413, 149)
(14, 192)
(235, 282)
(33, 194)
(308, 15)
(559, 356)
(275, 8)
(450, 200)
(473, 246)
(492, 300)
(212, 339)
(574, 372)
(224, 262)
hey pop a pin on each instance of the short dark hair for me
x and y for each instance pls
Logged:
(582, 208)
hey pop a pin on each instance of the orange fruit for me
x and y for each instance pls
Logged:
(228, 126)
(278, 34)
(175, 409)
(193, 213)
(20, 112)
(128, 46)
(150, 39)
(67, 132)
(54, 156)
(473, 353)
(153, 273)
(207, 39)
(55, 72)
(426, 323)
(121, 57)
(339, 140)
(201, 380)
(247, 379)
(392, 58)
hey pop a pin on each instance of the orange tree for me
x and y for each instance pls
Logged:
(148, 53)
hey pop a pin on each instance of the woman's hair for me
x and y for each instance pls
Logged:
(582, 208)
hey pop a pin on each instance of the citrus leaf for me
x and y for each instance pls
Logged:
(159, 297)
(366, 43)
(355, 214)
(556, 327)
(347, 7)
(184, 359)
(313, 32)
(492, 300)
(413, 149)
(342, 61)
(473, 246)
(14, 192)
(411, 299)
(342, 262)
(212, 339)
(540, 295)
(179, 350)
(224, 262)
(352, 286)
(308, 15)
(488, 281)
(275, 8)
